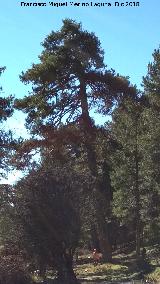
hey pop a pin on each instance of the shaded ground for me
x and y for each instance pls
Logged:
(99, 282)
(124, 268)
(106, 272)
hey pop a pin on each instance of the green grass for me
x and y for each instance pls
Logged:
(154, 276)
(120, 270)
(107, 272)
(123, 268)
(154, 256)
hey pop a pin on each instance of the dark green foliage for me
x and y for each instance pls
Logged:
(48, 214)
(151, 81)
(66, 58)
(71, 67)
(152, 115)
(127, 160)
(135, 176)
(13, 267)
(13, 262)
(6, 111)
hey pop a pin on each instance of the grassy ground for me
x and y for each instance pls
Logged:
(153, 254)
(103, 272)
(123, 268)
(120, 270)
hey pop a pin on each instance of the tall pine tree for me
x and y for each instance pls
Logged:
(68, 82)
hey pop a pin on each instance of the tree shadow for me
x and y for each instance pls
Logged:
(108, 275)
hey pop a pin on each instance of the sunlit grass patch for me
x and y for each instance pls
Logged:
(102, 271)
(154, 276)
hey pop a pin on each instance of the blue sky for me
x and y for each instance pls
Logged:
(127, 34)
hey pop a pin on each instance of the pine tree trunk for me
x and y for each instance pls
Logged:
(65, 272)
(105, 248)
(137, 197)
(138, 240)
(102, 230)
(89, 138)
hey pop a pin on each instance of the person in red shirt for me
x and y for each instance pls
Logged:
(96, 257)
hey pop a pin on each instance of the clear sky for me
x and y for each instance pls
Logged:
(127, 34)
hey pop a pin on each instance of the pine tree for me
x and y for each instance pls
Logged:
(127, 176)
(6, 140)
(151, 83)
(70, 80)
